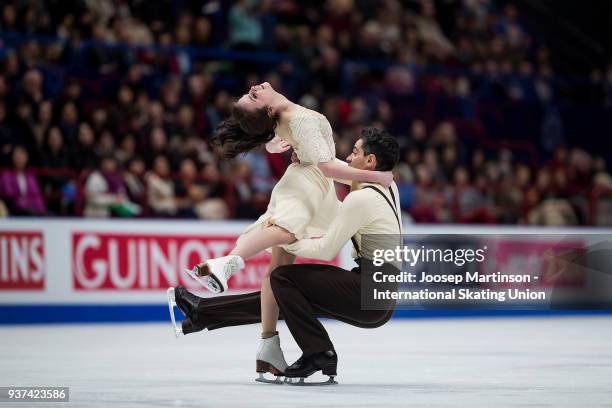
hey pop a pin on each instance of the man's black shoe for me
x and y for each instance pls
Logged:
(189, 326)
(186, 301)
(326, 361)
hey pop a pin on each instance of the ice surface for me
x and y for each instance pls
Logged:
(558, 362)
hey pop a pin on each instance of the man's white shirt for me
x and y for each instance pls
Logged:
(363, 211)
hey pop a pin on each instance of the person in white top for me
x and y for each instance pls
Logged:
(305, 292)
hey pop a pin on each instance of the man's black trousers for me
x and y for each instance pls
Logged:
(303, 293)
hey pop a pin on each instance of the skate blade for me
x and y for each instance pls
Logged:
(299, 381)
(206, 281)
(262, 379)
(178, 330)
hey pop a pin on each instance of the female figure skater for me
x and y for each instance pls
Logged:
(303, 202)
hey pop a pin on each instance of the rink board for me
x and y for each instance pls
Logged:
(75, 270)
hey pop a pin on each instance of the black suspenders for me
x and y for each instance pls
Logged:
(354, 241)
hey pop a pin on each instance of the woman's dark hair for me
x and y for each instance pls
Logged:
(244, 130)
(382, 145)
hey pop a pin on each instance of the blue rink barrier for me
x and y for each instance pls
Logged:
(74, 313)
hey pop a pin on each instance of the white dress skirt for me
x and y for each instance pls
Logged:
(304, 201)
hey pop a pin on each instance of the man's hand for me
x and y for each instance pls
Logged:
(294, 158)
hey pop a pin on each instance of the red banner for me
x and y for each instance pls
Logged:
(22, 260)
(111, 261)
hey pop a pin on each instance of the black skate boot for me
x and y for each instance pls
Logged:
(188, 304)
(326, 361)
(186, 301)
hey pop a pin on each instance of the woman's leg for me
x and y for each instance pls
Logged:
(269, 307)
(247, 247)
(268, 237)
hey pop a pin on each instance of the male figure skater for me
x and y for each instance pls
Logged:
(305, 292)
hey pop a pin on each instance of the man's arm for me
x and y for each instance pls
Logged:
(349, 220)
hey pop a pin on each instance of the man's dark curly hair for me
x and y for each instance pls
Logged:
(382, 145)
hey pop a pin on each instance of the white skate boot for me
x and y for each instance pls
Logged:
(215, 273)
(270, 359)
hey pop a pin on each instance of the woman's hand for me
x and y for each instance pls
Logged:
(277, 145)
(333, 169)
(385, 178)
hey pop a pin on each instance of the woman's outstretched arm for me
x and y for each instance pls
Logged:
(335, 170)
(344, 164)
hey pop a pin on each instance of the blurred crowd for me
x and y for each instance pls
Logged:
(107, 106)
(441, 181)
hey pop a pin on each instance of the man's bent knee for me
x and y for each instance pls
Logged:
(280, 272)
(279, 275)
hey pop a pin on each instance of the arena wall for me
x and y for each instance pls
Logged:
(74, 270)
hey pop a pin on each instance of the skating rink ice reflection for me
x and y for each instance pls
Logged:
(557, 362)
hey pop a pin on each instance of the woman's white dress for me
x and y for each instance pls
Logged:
(303, 201)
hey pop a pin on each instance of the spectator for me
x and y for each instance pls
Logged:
(33, 87)
(213, 179)
(156, 116)
(99, 121)
(69, 123)
(202, 34)
(418, 135)
(56, 159)
(426, 207)
(434, 40)
(42, 125)
(198, 93)
(23, 130)
(83, 153)
(215, 206)
(119, 114)
(134, 180)
(126, 150)
(219, 109)
(553, 213)
(7, 138)
(242, 191)
(160, 189)
(19, 186)
(450, 161)
(189, 193)
(245, 30)
(469, 203)
(105, 145)
(261, 174)
(105, 192)
(185, 122)
(158, 145)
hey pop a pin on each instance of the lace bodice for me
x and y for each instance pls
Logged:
(311, 136)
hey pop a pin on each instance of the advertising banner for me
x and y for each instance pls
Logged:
(59, 261)
(22, 260)
(82, 270)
